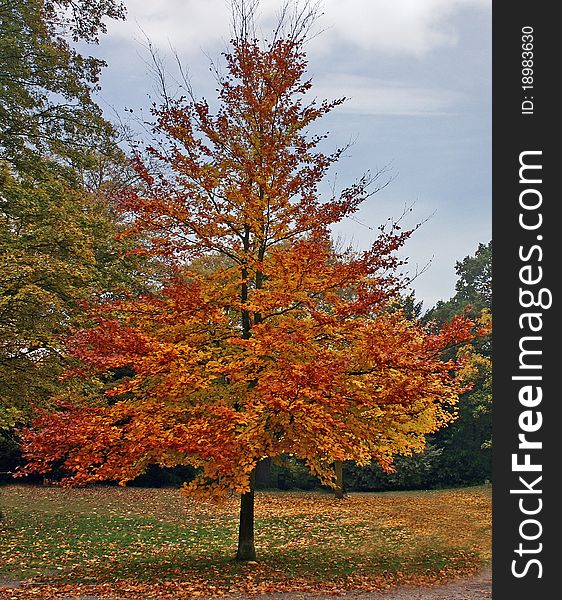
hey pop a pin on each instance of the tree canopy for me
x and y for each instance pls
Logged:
(46, 85)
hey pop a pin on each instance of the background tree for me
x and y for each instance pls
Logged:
(59, 159)
(261, 356)
(46, 86)
(466, 443)
(473, 289)
(416, 471)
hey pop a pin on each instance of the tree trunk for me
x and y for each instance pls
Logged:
(338, 466)
(246, 550)
(263, 473)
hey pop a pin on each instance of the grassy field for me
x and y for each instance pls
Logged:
(153, 541)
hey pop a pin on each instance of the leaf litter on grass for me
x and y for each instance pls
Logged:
(152, 543)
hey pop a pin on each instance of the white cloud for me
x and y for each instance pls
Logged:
(393, 26)
(370, 96)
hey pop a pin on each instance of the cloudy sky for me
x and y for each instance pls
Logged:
(418, 77)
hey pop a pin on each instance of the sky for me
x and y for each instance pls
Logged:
(418, 77)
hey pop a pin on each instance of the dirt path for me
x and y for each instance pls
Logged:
(477, 587)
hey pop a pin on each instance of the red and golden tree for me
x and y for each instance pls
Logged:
(266, 341)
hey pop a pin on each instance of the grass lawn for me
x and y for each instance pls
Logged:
(143, 542)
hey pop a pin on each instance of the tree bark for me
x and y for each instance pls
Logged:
(339, 493)
(246, 550)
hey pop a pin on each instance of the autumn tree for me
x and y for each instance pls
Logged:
(261, 355)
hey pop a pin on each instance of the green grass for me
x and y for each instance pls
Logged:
(100, 535)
